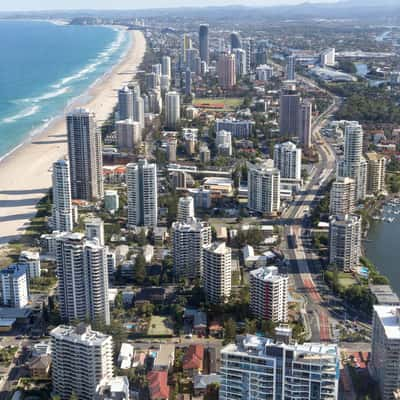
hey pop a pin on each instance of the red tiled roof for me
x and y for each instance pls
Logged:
(193, 358)
(158, 385)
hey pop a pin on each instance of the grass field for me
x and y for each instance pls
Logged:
(160, 326)
(346, 280)
(229, 104)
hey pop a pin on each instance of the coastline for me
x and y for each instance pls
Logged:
(25, 175)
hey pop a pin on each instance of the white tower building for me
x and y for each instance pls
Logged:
(172, 109)
(129, 134)
(345, 241)
(342, 196)
(85, 155)
(14, 285)
(185, 209)
(217, 258)
(62, 219)
(188, 239)
(269, 294)
(264, 188)
(81, 359)
(141, 179)
(287, 158)
(82, 279)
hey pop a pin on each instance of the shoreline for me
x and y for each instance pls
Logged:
(75, 101)
(25, 175)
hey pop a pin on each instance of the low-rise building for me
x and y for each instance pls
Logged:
(192, 363)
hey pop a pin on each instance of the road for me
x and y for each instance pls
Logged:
(300, 260)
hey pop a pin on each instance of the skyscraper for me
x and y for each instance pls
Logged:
(166, 66)
(62, 219)
(345, 241)
(217, 259)
(376, 164)
(304, 124)
(354, 164)
(288, 113)
(188, 82)
(141, 179)
(81, 359)
(264, 188)
(203, 43)
(82, 278)
(269, 370)
(85, 155)
(187, 44)
(342, 196)
(287, 158)
(125, 103)
(226, 70)
(172, 109)
(223, 141)
(240, 62)
(291, 68)
(269, 294)
(188, 239)
(235, 41)
(384, 364)
(129, 134)
(185, 209)
(138, 111)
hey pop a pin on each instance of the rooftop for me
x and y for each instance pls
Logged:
(267, 274)
(82, 334)
(389, 318)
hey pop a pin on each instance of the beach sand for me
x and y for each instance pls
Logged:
(25, 175)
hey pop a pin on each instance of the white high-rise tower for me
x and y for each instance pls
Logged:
(62, 219)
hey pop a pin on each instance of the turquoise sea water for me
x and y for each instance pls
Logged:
(44, 67)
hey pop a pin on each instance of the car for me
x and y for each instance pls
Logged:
(188, 336)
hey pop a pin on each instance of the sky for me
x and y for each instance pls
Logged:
(17, 5)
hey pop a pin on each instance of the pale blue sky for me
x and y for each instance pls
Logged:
(8, 5)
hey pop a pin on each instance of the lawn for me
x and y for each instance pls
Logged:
(218, 104)
(346, 279)
(160, 326)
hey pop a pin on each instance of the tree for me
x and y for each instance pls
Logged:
(74, 396)
(139, 269)
(229, 331)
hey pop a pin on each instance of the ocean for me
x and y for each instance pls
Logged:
(44, 67)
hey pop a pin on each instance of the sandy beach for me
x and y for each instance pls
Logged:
(25, 174)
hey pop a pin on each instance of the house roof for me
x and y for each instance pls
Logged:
(193, 358)
(158, 385)
(42, 362)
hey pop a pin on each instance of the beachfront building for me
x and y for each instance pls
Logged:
(226, 70)
(14, 285)
(342, 196)
(258, 368)
(129, 134)
(287, 158)
(264, 188)
(345, 241)
(188, 240)
(62, 216)
(141, 180)
(81, 360)
(172, 109)
(82, 278)
(85, 155)
(185, 209)
(385, 364)
(376, 172)
(125, 103)
(269, 294)
(217, 272)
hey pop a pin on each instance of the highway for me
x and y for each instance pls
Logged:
(296, 215)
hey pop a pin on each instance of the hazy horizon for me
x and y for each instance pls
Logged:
(48, 5)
